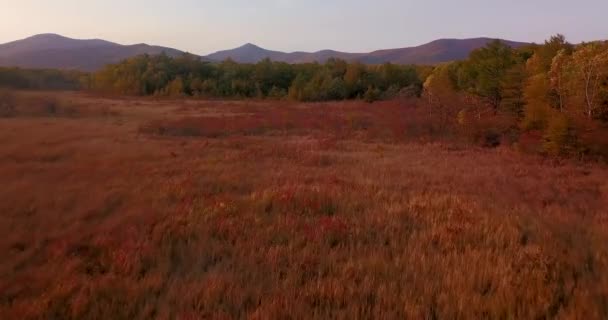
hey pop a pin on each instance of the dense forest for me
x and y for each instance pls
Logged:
(188, 76)
(550, 98)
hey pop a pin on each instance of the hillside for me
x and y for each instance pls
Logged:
(55, 51)
(442, 50)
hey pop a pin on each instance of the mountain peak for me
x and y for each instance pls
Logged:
(247, 53)
(46, 36)
(250, 45)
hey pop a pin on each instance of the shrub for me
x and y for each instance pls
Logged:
(411, 91)
(7, 103)
(488, 132)
(277, 93)
(371, 95)
(559, 137)
(391, 93)
(17, 104)
(491, 138)
(592, 139)
(49, 106)
(46, 106)
(337, 90)
(530, 142)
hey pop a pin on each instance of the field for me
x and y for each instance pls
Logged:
(125, 208)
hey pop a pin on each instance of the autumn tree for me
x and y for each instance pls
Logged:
(353, 79)
(337, 67)
(545, 53)
(512, 90)
(590, 73)
(296, 90)
(483, 73)
(441, 95)
(559, 74)
(176, 87)
(538, 108)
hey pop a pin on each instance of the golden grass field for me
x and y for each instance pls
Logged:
(126, 208)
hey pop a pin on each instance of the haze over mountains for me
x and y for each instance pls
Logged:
(55, 51)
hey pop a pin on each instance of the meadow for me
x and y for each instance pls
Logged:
(139, 208)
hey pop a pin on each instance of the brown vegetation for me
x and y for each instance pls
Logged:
(264, 210)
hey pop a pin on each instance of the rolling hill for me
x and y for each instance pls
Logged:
(438, 51)
(250, 53)
(55, 51)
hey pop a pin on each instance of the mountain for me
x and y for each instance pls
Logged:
(58, 52)
(55, 51)
(248, 53)
(438, 51)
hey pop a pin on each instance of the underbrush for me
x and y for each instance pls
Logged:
(19, 104)
(382, 121)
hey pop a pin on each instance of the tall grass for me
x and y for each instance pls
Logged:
(339, 210)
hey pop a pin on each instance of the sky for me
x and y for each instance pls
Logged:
(205, 26)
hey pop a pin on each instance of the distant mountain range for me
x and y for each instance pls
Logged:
(438, 51)
(55, 51)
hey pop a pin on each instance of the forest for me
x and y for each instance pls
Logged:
(188, 76)
(550, 98)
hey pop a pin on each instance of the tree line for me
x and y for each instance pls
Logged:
(551, 98)
(42, 79)
(187, 75)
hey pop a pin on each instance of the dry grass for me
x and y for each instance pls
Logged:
(270, 210)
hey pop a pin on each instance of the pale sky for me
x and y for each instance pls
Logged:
(205, 26)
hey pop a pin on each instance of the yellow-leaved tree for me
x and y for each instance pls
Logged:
(589, 77)
(536, 95)
(560, 75)
(442, 97)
